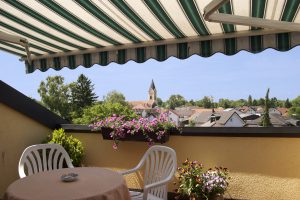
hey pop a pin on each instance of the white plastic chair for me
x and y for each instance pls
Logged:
(43, 157)
(161, 164)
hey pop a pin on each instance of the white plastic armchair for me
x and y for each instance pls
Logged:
(161, 164)
(43, 157)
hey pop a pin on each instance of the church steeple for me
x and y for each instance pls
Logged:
(152, 86)
(152, 92)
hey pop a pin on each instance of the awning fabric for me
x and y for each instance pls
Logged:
(65, 33)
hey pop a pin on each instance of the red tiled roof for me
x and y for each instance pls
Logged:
(141, 105)
(283, 111)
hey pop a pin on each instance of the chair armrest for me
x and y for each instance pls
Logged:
(129, 171)
(153, 185)
(156, 184)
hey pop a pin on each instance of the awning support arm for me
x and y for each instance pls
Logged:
(211, 15)
(17, 40)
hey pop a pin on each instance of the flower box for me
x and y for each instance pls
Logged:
(118, 128)
(136, 137)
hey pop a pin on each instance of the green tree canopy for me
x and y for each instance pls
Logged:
(295, 109)
(82, 94)
(255, 103)
(190, 103)
(225, 103)
(159, 102)
(55, 95)
(175, 100)
(207, 102)
(239, 103)
(261, 102)
(115, 97)
(266, 117)
(287, 103)
(250, 102)
(101, 111)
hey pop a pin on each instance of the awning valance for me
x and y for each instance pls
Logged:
(65, 33)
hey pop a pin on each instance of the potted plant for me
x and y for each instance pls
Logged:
(72, 145)
(197, 184)
(117, 128)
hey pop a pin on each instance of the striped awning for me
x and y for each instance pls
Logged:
(70, 33)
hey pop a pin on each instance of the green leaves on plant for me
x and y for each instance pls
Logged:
(72, 145)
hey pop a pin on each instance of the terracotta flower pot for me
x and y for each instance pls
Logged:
(211, 197)
(216, 197)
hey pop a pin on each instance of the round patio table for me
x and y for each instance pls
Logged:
(92, 184)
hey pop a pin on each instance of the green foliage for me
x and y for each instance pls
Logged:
(250, 102)
(239, 103)
(225, 103)
(72, 145)
(175, 100)
(265, 122)
(192, 123)
(104, 110)
(55, 95)
(207, 102)
(295, 109)
(255, 103)
(261, 102)
(196, 183)
(274, 103)
(190, 103)
(115, 97)
(82, 94)
(160, 102)
(287, 103)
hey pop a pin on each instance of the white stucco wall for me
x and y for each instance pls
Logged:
(235, 121)
(174, 118)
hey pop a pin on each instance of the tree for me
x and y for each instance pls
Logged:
(255, 103)
(274, 102)
(159, 102)
(199, 103)
(224, 103)
(239, 103)
(55, 95)
(175, 100)
(266, 117)
(101, 111)
(190, 103)
(261, 102)
(295, 109)
(250, 103)
(207, 102)
(82, 94)
(115, 97)
(287, 103)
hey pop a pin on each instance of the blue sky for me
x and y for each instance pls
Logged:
(220, 76)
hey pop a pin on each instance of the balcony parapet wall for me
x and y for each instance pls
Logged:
(263, 162)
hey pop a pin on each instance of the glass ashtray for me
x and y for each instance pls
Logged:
(69, 177)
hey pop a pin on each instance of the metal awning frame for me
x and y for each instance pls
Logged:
(211, 15)
(17, 40)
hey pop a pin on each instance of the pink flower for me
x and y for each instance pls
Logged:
(115, 146)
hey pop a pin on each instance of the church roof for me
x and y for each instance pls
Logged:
(152, 86)
(141, 105)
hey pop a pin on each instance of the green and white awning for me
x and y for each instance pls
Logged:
(70, 33)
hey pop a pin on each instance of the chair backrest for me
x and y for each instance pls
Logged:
(160, 164)
(43, 157)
